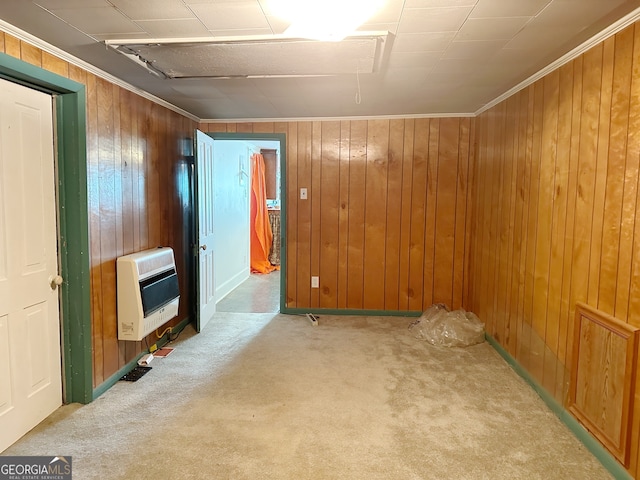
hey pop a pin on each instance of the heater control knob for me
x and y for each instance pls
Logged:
(55, 281)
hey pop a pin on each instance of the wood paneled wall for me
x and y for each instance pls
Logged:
(133, 160)
(385, 225)
(556, 219)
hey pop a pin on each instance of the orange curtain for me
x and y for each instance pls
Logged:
(261, 234)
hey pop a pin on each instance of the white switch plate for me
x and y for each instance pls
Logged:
(303, 194)
(315, 282)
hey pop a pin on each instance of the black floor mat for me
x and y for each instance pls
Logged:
(135, 374)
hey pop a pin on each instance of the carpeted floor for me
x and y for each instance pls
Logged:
(267, 396)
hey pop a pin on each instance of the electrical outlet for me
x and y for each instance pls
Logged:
(303, 194)
(315, 282)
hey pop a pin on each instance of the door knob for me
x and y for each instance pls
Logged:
(203, 247)
(55, 281)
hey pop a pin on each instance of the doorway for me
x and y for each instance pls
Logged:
(242, 291)
(73, 218)
(30, 372)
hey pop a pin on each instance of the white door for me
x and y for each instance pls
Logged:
(204, 181)
(30, 360)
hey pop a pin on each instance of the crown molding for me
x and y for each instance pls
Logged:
(333, 119)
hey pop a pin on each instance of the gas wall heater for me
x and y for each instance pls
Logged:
(148, 293)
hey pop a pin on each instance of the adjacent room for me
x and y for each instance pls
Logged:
(224, 226)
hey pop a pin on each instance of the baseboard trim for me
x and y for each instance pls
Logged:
(227, 287)
(602, 454)
(347, 311)
(111, 381)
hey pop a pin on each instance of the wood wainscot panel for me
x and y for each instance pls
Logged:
(602, 377)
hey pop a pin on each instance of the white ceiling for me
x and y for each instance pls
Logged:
(442, 56)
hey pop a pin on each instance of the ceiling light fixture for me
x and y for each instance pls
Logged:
(325, 20)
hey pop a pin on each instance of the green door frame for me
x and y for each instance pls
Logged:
(73, 220)
(273, 137)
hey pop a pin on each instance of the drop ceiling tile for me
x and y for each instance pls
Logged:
(200, 2)
(389, 13)
(412, 59)
(407, 79)
(180, 27)
(511, 8)
(277, 24)
(378, 27)
(197, 89)
(534, 40)
(423, 42)
(451, 71)
(265, 5)
(98, 20)
(231, 16)
(581, 13)
(480, 49)
(100, 37)
(420, 20)
(491, 28)
(57, 4)
(153, 9)
(242, 32)
(438, 3)
(274, 86)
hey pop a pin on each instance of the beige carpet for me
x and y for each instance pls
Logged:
(266, 396)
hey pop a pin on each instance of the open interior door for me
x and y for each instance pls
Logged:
(205, 285)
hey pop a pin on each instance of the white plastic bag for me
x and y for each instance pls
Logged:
(458, 328)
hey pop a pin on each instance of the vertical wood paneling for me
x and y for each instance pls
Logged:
(630, 187)
(303, 221)
(445, 212)
(431, 203)
(546, 211)
(614, 189)
(379, 228)
(405, 215)
(418, 209)
(343, 219)
(315, 196)
(108, 229)
(357, 176)
(55, 64)
(393, 212)
(564, 166)
(93, 192)
(292, 213)
(375, 228)
(329, 214)
(30, 54)
(460, 227)
(601, 170)
(12, 46)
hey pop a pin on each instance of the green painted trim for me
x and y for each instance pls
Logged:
(347, 311)
(274, 137)
(595, 447)
(73, 226)
(17, 71)
(113, 379)
(73, 219)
